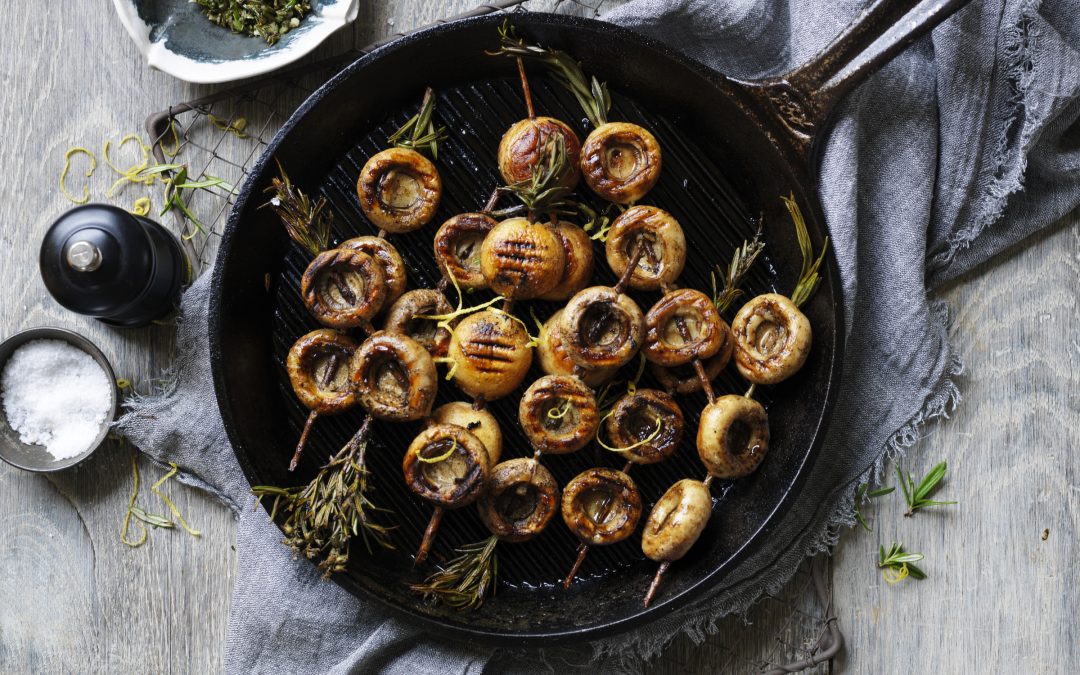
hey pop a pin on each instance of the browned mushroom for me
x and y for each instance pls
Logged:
(343, 288)
(399, 189)
(520, 500)
(404, 318)
(553, 359)
(476, 420)
(663, 243)
(522, 145)
(446, 465)
(319, 370)
(682, 326)
(578, 257)
(457, 248)
(491, 354)
(647, 426)
(772, 339)
(686, 379)
(602, 328)
(394, 377)
(621, 162)
(674, 525)
(733, 436)
(384, 253)
(558, 414)
(601, 507)
(522, 260)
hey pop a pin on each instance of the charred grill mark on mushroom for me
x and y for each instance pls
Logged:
(578, 261)
(457, 248)
(520, 500)
(399, 190)
(648, 423)
(491, 354)
(684, 325)
(602, 328)
(659, 235)
(479, 422)
(404, 318)
(343, 288)
(601, 507)
(446, 465)
(389, 260)
(394, 377)
(621, 162)
(522, 260)
(674, 525)
(733, 436)
(319, 369)
(558, 414)
(522, 145)
(554, 359)
(772, 339)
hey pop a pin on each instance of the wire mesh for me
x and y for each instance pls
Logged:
(223, 134)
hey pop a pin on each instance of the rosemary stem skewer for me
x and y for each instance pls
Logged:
(429, 536)
(525, 90)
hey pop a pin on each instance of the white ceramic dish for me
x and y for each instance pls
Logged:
(175, 37)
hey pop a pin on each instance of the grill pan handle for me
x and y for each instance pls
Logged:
(802, 99)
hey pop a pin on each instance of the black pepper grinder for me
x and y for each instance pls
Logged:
(123, 269)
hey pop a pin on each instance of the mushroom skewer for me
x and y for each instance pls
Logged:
(319, 370)
(601, 507)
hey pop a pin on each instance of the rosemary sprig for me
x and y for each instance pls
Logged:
(466, 580)
(861, 494)
(808, 277)
(308, 224)
(736, 271)
(916, 496)
(419, 133)
(322, 517)
(541, 191)
(897, 564)
(591, 94)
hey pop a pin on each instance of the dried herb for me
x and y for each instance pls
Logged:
(322, 517)
(808, 277)
(916, 496)
(268, 19)
(307, 223)
(419, 133)
(897, 564)
(861, 494)
(736, 271)
(465, 582)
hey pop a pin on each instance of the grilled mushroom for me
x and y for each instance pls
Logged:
(457, 248)
(578, 261)
(446, 465)
(520, 499)
(558, 414)
(772, 339)
(621, 162)
(522, 260)
(319, 369)
(403, 318)
(684, 325)
(491, 354)
(602, 328)
(399, 189)
(663, 243)
(674, 525)
(343, 288)
(394, 377)
(601, 507)
(685, 379)
(522, 145)
(649, 423)
(384, 253)
(554, 360)
(733, 436)
(479, 421)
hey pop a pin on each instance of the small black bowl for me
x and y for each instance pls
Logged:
(35, 457)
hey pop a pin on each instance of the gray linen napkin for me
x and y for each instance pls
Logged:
(962, 146)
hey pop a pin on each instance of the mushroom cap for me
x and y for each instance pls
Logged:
(733, 436)
(491, 354)
(676, 521)
(399, 190)
(320, 350)
(621, 162)
(394, 377)
(772, 339)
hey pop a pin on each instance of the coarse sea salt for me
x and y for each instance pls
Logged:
(55, 395)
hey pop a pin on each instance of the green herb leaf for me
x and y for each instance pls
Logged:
(308, 224)
(419, 133)
(151, 518)
(916, 497)
(467, 580)
(808, 277)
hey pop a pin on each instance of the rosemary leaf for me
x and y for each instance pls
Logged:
(466, 581)
(308, 224)
(419, 133)
(897, 564)
(808, 277)
(736, 271)
(916, 496)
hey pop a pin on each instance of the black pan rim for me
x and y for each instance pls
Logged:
(709, 584)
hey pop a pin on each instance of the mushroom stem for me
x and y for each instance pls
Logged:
(639, 250)
(479, 403)
(508, 304)
(382, 233)
(429, 536)
(656, 582)
(525, 87)
(583, 549)
(750, 392)
(303, 440)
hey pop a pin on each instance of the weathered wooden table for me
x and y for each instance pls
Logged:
(1003, 589)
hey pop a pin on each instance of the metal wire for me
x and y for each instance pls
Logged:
(204, 135)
